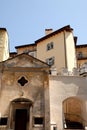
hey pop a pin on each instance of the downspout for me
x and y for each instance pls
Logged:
(65, 50)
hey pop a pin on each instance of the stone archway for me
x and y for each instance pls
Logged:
(20, 114)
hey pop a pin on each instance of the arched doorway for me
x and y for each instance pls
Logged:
(73, 113)
(20, 114)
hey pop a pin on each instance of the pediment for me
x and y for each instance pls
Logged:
(24, 60)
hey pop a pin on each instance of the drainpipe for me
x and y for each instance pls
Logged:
(65, 50)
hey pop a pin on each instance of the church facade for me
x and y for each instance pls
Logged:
(24, 94)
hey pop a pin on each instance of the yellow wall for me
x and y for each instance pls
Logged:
(70, 51)
(63, 51)
(57, 51)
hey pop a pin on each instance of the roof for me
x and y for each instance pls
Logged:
(82, 45)
(29, 56)
(13, 52)
(3, 29)
(67, 28)
(24, 63)
(32, 44)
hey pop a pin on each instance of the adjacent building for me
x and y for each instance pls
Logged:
(81, 53)
(56, 48)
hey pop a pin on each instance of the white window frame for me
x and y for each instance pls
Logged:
(50, 61)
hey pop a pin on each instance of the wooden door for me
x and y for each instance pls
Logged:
(21, 119)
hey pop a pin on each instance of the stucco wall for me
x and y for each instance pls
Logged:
(61, 88)
(25, 48)
(35, 90)
(57, 51)
(70, 51)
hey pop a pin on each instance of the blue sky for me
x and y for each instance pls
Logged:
(26, 20)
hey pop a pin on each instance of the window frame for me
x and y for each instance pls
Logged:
(50, 61)
(41, 124)
(50, 46)
(3, 121)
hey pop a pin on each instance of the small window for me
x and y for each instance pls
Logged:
(54, 128)
(32, 53)
(22, 81)
(26, 51)
(50, 61)
(38, 120)
(3, 121)
(80, 55)
(50, 46)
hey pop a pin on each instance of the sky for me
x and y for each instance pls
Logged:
(26, 20)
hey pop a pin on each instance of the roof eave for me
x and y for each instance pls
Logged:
(67, 28)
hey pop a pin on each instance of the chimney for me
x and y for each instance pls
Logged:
(48, 31)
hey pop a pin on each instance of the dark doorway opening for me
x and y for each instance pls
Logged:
(21, 119)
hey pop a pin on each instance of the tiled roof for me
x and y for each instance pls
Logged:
(67, 28)
(3, 29)
(26, 45)
(82, 45)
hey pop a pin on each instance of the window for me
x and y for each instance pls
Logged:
(3, 121)
(32, 53)
(26, 51)
(38, 120)
(80, 55)
(54, 128)
(50, 61)
(50, 46)
(22, 81)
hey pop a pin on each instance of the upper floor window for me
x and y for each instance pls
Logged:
(50, 46)
(26, 51)
(50, 61)
(32, 53)
(80, 55)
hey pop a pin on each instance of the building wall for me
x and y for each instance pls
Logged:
(26, 49)
(62, 88)
(4, 45)
(57, 51)
(36, 90)
(63, 50)
(81, 53)
(70, 51)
